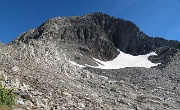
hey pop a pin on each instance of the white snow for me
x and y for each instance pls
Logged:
(82, 66)
(124, 60)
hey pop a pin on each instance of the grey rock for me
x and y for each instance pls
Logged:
(164, 55)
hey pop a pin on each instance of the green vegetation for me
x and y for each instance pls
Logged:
(7, 97)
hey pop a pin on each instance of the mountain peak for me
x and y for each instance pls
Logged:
(98, 33)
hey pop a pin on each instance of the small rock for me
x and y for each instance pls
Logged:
(26, 96)
(15, 69)
(82, 105)
(36, 93)
(66, 94)
(20, 101)
(28, 104)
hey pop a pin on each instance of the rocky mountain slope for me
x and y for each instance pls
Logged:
(37, 64)
(96, 34)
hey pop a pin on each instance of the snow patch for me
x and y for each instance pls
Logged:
(82, 66)
(123, 60)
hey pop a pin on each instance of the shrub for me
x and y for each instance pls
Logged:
(7, 97)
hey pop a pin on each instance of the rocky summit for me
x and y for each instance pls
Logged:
(55, 67)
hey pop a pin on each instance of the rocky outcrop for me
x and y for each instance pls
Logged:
(164, 55)
(127, 37)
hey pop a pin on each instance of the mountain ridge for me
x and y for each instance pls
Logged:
(86, 29)
(99, 36)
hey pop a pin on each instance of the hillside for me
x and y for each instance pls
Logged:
(38, 64)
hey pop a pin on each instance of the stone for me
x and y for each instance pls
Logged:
(66, 94)
(16, 69)
(20, 101)
(36, 93)
(81, 105)
(28, 104)
(26, 96)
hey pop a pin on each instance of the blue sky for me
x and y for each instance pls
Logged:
(156, 18)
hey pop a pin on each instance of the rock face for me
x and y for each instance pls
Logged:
(97, 34)
(164, 55)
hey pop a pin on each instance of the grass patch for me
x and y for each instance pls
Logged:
(5, 108)
(7, 98)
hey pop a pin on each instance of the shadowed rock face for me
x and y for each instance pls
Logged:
(164, 55)
(97, 34)
(127, 37)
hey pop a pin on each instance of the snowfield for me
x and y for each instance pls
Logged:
(123, 60)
